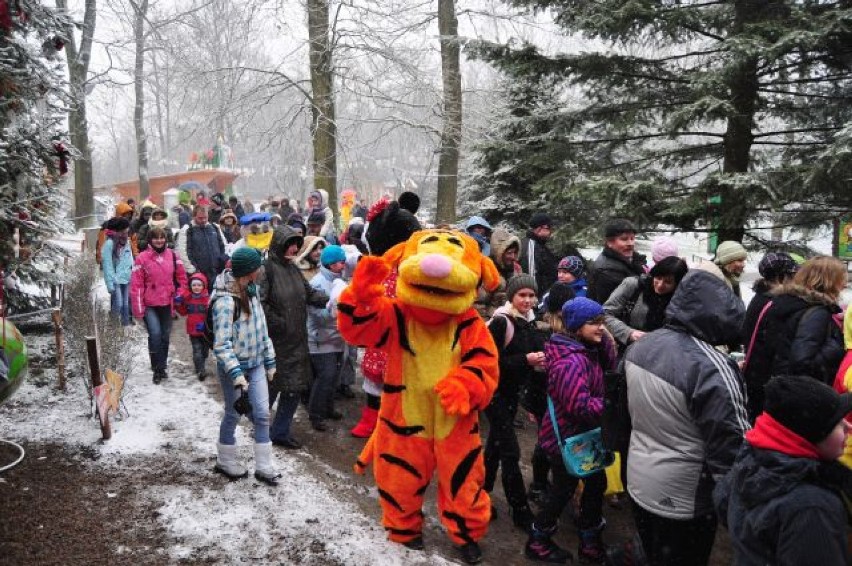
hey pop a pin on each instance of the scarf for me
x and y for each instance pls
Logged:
(769, 434)
(656, 305)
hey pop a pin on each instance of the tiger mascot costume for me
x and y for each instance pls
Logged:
(442, 371)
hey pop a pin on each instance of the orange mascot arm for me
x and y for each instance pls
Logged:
(366, 317)
(470, 385)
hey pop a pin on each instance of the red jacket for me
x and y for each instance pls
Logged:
(194, 306)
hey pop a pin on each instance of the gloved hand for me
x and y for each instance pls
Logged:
(368, 277)
(199, 327)
(110, 291)
(241, 383)
(453, 396)
(178, 299)
(270, 374)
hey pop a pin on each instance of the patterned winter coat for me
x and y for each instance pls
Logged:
(242, 343)
(575, 382)
(152, 283)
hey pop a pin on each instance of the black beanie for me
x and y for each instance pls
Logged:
(806, 406)
(560, 293)
(540, 219)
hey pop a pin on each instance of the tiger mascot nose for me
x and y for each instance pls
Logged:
(436, 265)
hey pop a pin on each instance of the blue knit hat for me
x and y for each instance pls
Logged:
(245, 260)
(578, 311)
(332, 254)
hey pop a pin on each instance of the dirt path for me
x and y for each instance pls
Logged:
(59, 507)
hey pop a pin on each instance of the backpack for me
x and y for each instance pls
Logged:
(209, 327)
(510, 328)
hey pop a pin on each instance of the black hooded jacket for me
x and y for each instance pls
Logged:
(782, 510)
(285, 296)
(608, 271)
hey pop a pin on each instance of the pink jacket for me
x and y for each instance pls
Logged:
(152, 280)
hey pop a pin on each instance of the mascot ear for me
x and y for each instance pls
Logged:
(490, 275)
(394, 255)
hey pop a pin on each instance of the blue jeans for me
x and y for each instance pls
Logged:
(326, 371)
(200, 350)
(158, 321)
(259, 398)
(287, 405)
(120, 302)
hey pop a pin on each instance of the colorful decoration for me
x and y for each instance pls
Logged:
(13, 359)
(347, 201)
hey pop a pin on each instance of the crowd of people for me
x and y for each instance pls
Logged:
(719, 411)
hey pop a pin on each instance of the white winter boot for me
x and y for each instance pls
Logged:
(263, 469)
(226, 462)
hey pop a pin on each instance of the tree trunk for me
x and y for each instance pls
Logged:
(78, 125)
(323, 126)
(742, 86)
(140, 11)
(448, 161)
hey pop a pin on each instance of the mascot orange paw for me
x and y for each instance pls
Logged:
(454, 397)
(368, 277)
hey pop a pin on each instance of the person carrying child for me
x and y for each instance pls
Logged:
(192, 303)
(576, 359)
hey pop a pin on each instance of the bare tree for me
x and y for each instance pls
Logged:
(448, 161)
(323, 126)
(78, 125)
(140, 16)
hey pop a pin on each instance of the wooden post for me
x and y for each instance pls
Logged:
(60, 346)
(95, 369)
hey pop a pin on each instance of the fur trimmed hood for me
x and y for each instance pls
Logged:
(810, 296)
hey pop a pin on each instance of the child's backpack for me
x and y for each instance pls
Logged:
(209, 331)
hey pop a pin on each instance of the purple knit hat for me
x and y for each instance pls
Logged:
(663, 247)
(776, 265)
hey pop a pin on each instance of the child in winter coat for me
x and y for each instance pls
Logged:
(192, 303)
(783, 499)
(117, 263)
(571, 270)
(576, 358)
(325, 343)
(520, 355)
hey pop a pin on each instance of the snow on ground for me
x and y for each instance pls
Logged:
(301, 520)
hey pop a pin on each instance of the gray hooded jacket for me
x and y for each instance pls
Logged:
(686, 401)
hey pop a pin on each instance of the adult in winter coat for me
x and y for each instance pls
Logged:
(203, 246)
(318, 202)
(731, 257)
(617, 261)
(776, 269)
(783, 501)
(843, 379)
(122, 210)
(145, 210)
(802, 336)
(159, 219)
(537, 259)
(245, 362)
(505, 247)
(286, 296)
(308, 257)
(687, 410)
(520, 352)
(117, 263)
(480, 230)
(158, 276)
(638, 305)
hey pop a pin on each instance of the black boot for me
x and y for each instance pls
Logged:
(522, 517)
(541, 548)
(471, 553)
(415, 544)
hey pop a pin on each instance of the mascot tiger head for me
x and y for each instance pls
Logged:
(441, 270)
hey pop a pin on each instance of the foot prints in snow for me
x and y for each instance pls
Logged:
(174, 426)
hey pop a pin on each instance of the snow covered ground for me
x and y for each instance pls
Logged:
(243, 521)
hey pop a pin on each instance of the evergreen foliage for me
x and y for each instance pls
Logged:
(31, 99)
(669, 108)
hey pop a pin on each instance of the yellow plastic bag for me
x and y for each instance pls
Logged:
(613, 477)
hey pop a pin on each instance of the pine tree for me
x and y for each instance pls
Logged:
(32, 153)
(711, 114)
